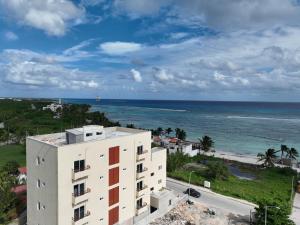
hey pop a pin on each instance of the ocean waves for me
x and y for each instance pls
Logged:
(292, 120)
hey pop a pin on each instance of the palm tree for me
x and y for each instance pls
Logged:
(169, 130)
(177, 131)
(181, 135)
(292, 153)
(268, 157)
(283, 149)
(206, 143)
(159, 130)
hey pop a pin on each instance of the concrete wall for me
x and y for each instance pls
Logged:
(46, 172)
(159, 168)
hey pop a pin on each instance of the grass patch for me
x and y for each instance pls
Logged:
(272, 184)
(12, 152)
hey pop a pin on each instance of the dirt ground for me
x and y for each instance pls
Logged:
(197, 214)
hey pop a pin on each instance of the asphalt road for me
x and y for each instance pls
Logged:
(213, 200)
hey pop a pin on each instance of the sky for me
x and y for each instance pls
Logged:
(236, 50)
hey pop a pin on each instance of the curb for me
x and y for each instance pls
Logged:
(211, 192)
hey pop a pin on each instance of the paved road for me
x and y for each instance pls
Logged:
(213, 200)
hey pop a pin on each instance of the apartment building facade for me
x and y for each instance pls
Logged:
(92, 175)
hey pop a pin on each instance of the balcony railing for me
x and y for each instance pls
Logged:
(141, 208)
(81, 220)
(78, 174)
(141, 173)
(141, 191)
(81, 197)
(141, 155)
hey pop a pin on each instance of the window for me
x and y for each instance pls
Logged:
(38, 183)
(38, 161)
(139, 203)
(159, 181)
(113, 216)
(102, 155)
(140, 150)
(113, 176)
(114, 155)
(152, 174)
(160, 167)
(78, 189)
(139, 168)
(79, 165)
(139, 186)
(89, 134)
(152, 189)
(38, 206)
(170, 202)
(98, 133)
(113, 196)
(78, 213)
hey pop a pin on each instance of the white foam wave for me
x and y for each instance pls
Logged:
(264, 118)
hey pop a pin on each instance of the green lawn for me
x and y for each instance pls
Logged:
(272, 184)
(12, 152)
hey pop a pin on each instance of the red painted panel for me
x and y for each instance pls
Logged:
(113, 196)
(113, 216)
(113, 176)
(114, 155)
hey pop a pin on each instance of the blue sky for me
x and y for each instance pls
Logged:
(166, 49)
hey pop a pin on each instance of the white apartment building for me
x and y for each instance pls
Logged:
(94, 175)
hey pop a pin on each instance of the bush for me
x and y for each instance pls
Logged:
(217, 170)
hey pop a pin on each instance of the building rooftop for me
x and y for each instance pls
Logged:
(156, 149)
(85, 134)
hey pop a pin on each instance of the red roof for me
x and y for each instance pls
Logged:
(19, 189)
(22, 170)
(173, 140)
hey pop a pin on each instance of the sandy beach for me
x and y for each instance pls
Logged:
(251, 159)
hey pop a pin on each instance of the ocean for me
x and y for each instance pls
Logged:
(236, 127)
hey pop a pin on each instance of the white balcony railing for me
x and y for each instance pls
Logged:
(79, 174)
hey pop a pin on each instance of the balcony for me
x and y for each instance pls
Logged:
(79, 174)
(141, 155)
(82, 197)
(83, 220)
(142, 191)
(141, 209)
(141, 173)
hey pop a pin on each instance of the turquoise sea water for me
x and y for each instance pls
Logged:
(238, 127)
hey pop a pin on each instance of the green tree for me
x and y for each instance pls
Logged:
(169, 130)
(131, 125)
(206, 143)
(217, 170)
(7, 198)
(176, 161)
(181, 135)
(268, 157)
(11, 168)
(277, 215)
(159, 130)
(292, 153)
(284, 150)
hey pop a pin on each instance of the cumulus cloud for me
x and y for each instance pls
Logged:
(136, 75)
(11, 36)
(162, 75)
(52, 16)
(23, 68)
(119, 48)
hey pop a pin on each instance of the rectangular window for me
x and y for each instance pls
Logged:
(89, 134)
(139, 186)
(113, 176)
(98, 133)
(38, 206)
(38, 161)
(113, 216)
(113, 196)
(152, 174)
(78, 189)
(114, 155)
(139, 203)
(139, 168)
(38, 183)
(140, 150)
(79, 165)
(152, 189)
(78, 213)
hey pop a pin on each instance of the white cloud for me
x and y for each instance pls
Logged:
(91, 2)
(22, 68)
(52, 16)
(11, 36)
(136, 75)
(120, 48)
(178, 35)
(162, 75)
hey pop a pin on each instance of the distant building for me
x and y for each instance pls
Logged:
(2, 125)
(95, 175)
(22, 178)
(53, 107)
